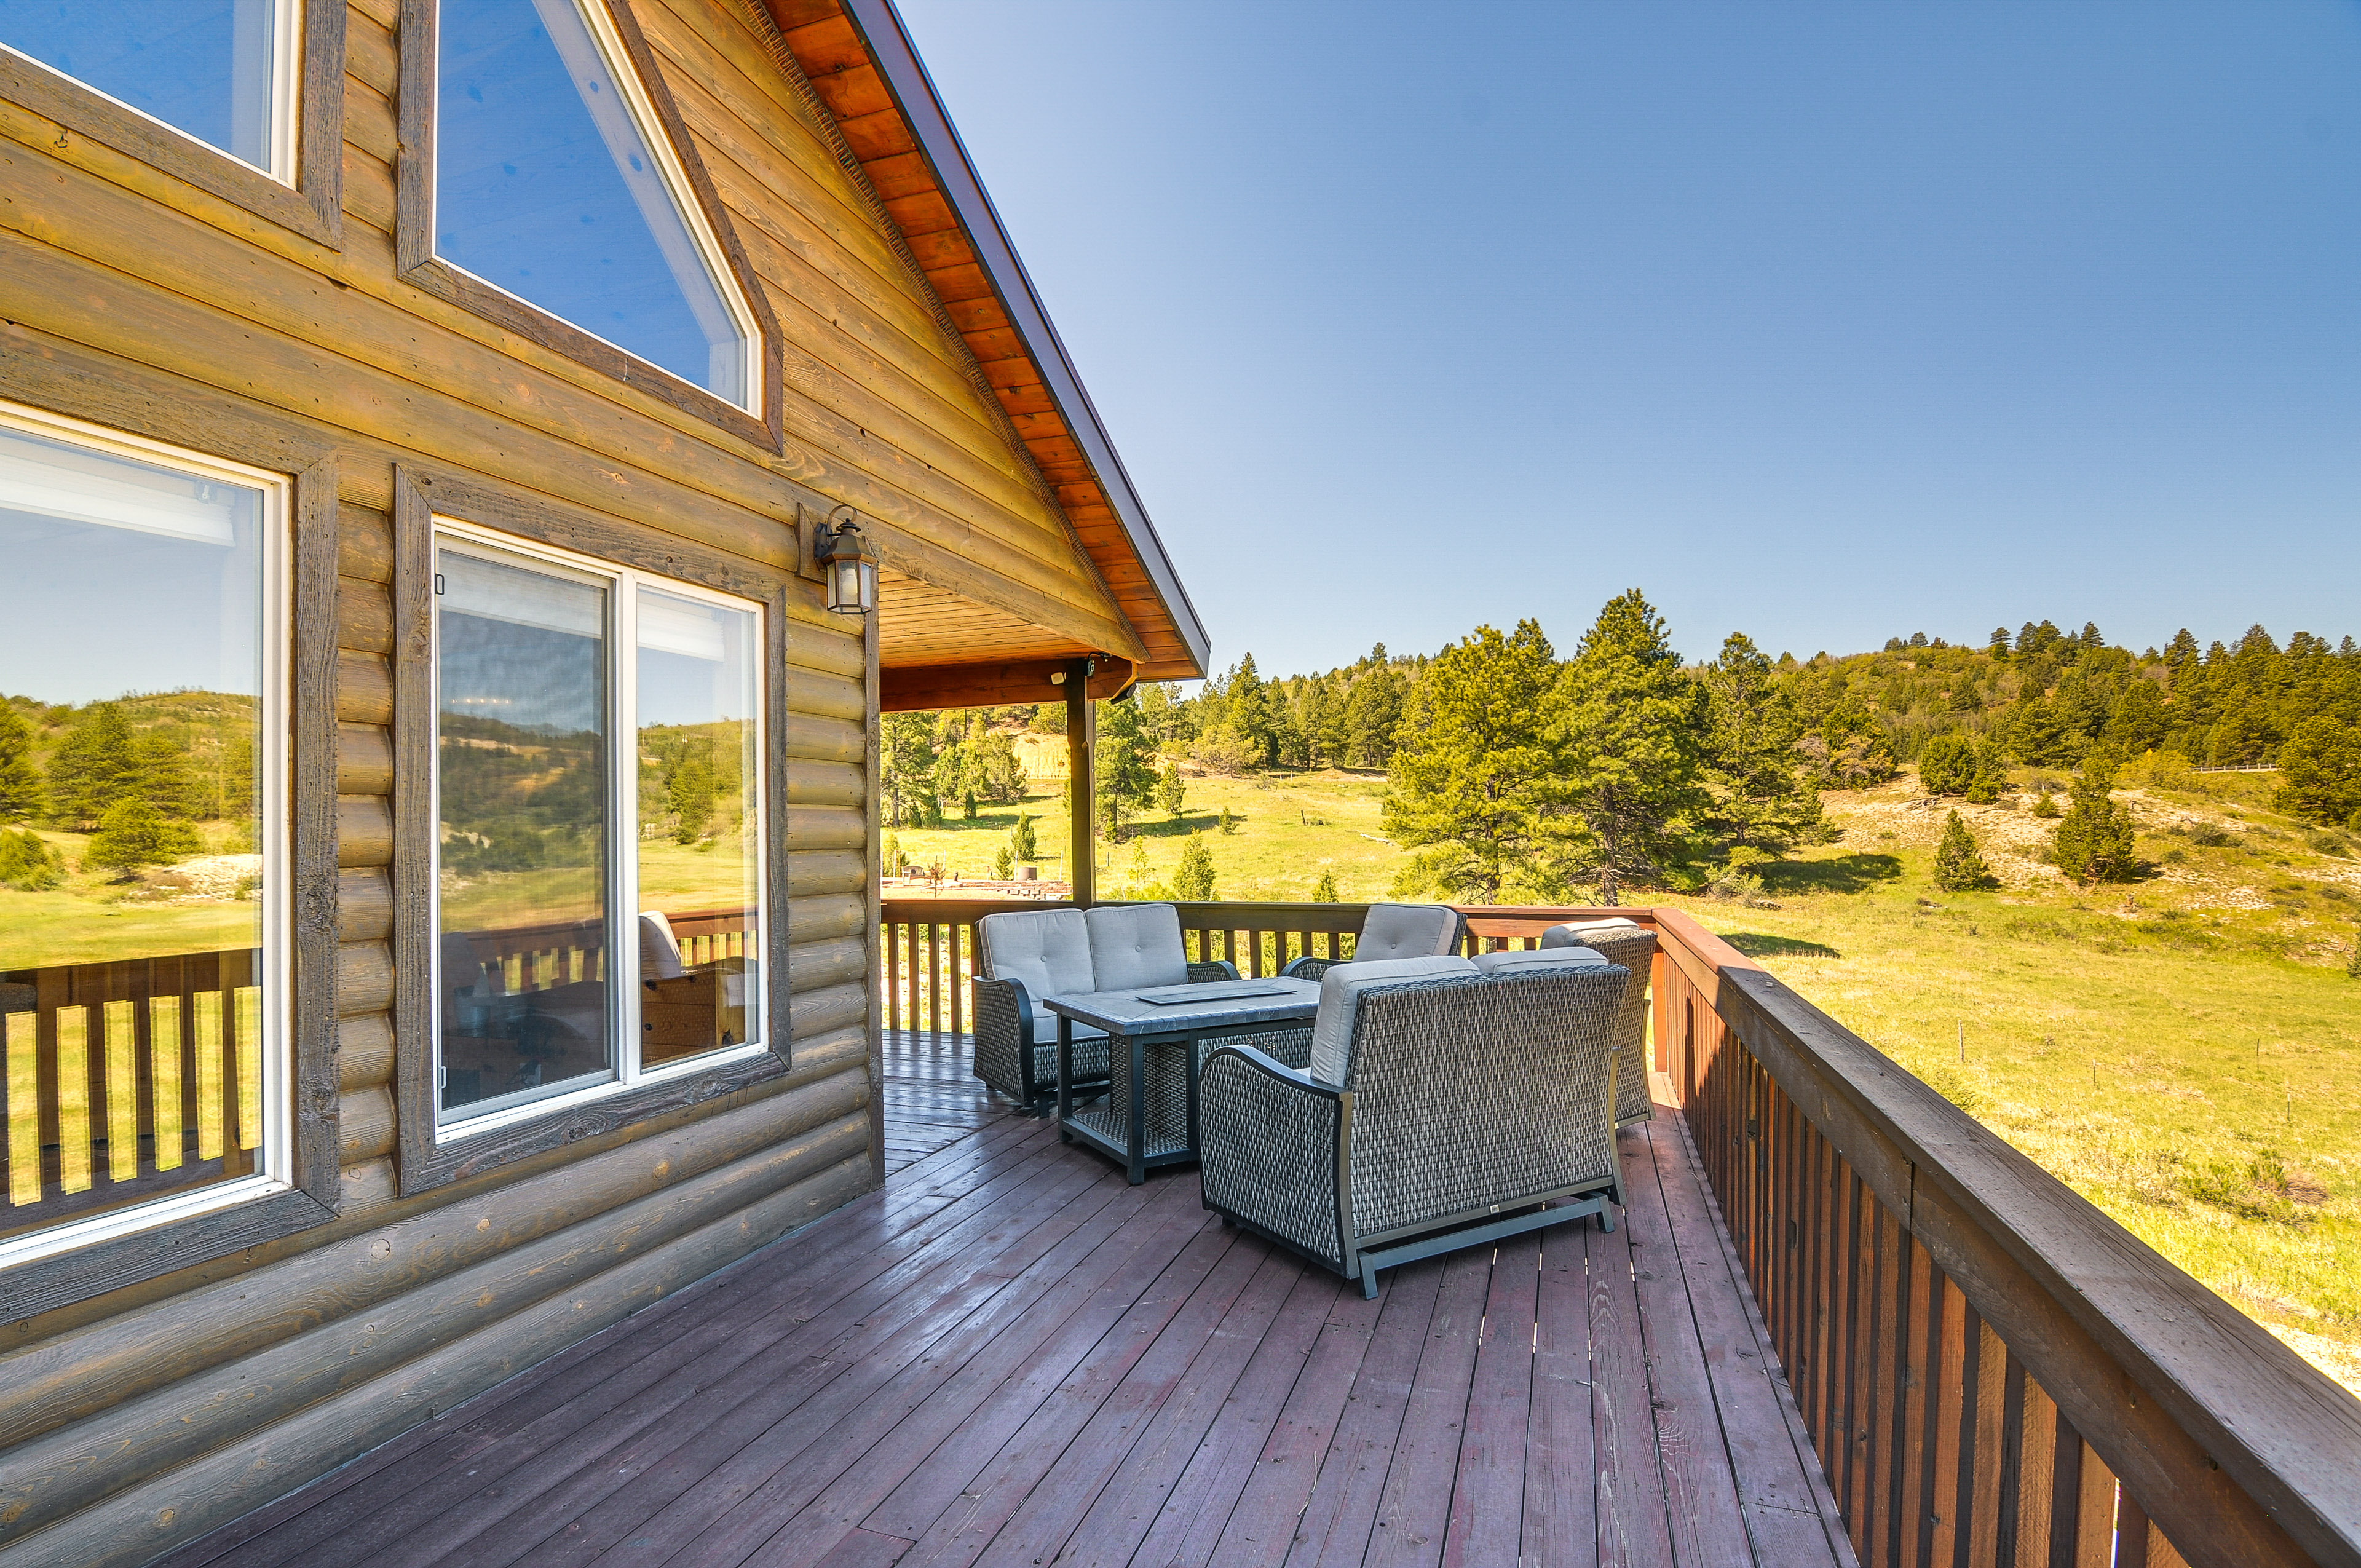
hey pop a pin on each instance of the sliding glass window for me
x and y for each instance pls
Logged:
(223, 72)
(141, 993)
(599, 809)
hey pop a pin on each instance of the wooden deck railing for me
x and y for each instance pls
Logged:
(126, 1081)
(1995, 1374)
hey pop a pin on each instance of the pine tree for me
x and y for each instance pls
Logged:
(1630, 726)
(1126, 780)
(1192, 882)
(1947, 764)
(906, 744)
(2353, 967)
(94, 766)
(27, 863)
(135, 833)
(22, 793)
(2094, 839)
(1228, 822)
(1958, 865)
(1324, 889)
(1478, 786)
(1373, 712)
(1171, 791)
(1763, 801)
(1023, 844)
(688, 788)
(2320, 772)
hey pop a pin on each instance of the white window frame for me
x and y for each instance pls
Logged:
(275, 1153)
(674, 177)
(623, 585)
(286, 78)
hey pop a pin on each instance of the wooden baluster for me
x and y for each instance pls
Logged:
(888, 954)
(1954, 1408)
(910, 981)
(2038, 1493)
(22, 1032)
(122, 1024)
(74, 1099)
(1921, 1349)
(164, 1080)
(958, 980)
(2096, 1499)
(207, 1007)
(934, 978)
(249, 1066)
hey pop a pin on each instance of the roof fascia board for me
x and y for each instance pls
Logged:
(922, 109)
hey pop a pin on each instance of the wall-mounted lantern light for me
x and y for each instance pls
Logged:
(849, 561)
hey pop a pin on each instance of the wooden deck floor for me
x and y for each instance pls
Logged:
(1008, 1356)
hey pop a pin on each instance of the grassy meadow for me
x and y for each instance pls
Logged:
(95, 918)
(2185, 1051)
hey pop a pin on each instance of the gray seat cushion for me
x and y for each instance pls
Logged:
(1340, 1001)
(1406, 931)
(1525, 961)
(1046, 951)
(1135, 945)
(1577, 933)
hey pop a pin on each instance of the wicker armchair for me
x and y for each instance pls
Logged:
(1632, 945)
(1025, 955)
(1390, 931)
(1466, 1101)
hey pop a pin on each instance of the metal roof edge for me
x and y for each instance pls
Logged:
(889, 45)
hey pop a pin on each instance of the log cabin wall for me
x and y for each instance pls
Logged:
(136, 1419)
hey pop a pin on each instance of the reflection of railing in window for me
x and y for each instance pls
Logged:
(127, 1080)
(537, 958)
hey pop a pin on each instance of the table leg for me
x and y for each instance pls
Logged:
(1189, 1064)
(1136, 1148)
(1065, 1075)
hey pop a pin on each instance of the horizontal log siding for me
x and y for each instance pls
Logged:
(365, 1130)
(136, 1421)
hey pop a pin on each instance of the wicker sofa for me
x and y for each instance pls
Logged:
(1391, 931)
(1445, 1102)
(1632, 945)
(1025, 955)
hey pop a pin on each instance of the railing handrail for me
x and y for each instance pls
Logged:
(2237, 1434)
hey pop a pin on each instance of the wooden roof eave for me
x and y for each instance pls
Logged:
(924, 176)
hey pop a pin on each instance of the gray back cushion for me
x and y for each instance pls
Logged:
(1135, 945)
(1406, 931)
(1579, 932)
(1340, 1002)
(1525, 961)
(1046, 951)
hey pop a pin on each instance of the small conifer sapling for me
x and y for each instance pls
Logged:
(1958, 865)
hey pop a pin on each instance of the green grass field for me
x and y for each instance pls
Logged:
(95, 919)
(2185, 1051)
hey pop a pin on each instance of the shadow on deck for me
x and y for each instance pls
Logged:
(1008, 1357)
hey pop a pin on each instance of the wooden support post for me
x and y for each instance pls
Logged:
(1081, 781)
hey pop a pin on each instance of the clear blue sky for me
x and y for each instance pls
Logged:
(1825, 323)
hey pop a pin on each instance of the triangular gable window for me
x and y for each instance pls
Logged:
(555, 182)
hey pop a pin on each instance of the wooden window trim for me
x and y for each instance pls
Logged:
(416, 263)
(209, 426)
(418, 497)
(312, 206)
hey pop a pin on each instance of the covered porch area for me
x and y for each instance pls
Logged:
(1007, 1356)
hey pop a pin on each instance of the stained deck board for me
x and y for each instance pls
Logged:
(1008, 1355)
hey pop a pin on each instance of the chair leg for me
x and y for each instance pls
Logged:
(1606, 1219)
(1368, 1282)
